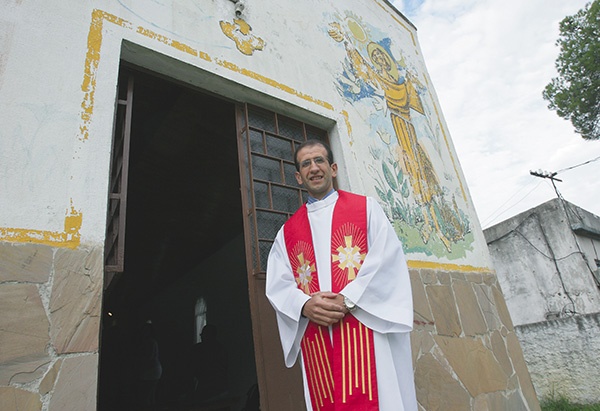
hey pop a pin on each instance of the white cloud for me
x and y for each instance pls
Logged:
(489, 62)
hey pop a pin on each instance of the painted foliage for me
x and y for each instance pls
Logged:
(410, 164)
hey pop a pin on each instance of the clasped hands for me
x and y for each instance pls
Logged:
(325, 308)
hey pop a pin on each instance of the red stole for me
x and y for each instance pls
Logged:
(340, 374)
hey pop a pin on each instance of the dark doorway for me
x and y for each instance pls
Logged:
(185, 263)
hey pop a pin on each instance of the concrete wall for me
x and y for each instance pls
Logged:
(562, 356)
(545, 261)
(544, 268)
(353, 67)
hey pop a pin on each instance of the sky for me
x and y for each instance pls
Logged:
(489, 61)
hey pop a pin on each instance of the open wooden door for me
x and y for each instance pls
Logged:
(270, 195)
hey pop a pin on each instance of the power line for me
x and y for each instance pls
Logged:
(495, 213)
(539, 173)
(578, 165)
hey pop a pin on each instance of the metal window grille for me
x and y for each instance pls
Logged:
(267, 142)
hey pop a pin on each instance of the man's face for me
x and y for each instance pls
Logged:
(316, 174)
(381, 59)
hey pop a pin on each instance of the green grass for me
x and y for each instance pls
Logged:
(562, 404)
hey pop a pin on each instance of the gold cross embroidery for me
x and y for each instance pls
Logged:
(350, 257)
(304, 271)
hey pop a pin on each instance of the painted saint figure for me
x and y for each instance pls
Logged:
(400, 97)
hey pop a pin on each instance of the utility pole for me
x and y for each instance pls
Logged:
(545, 174)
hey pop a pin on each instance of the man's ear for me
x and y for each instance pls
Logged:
(334, 170)
(298, 177)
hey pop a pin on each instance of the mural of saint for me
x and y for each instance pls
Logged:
(379, 71)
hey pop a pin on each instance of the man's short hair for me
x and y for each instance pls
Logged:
(309, 143)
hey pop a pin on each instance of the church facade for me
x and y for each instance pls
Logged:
(147, 165)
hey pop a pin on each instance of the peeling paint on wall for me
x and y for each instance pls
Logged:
(240, 32)
(69, 238)
(93, 60)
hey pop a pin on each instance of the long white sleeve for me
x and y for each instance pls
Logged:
(286, 299)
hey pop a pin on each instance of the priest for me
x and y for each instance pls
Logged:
(339, 283)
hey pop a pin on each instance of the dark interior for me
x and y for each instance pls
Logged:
(184, 241)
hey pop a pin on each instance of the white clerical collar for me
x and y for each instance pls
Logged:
(325, 202)
(311, 199)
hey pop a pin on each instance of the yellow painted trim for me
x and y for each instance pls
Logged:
(263, 79)
(448, 267)
(93, 59)
(69, 238)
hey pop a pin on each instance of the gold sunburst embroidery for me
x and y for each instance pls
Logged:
(350, 257)
(304, 271)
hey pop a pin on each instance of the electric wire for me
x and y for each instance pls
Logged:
(579, 165)
(499, 211)
(492, 217)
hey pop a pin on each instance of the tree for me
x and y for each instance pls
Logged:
(575, 93)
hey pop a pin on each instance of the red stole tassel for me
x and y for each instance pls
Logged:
(341, 375)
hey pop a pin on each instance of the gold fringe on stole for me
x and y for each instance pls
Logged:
(349, 359)
(369, 368)
(362, 356)
(355, 358)
(343, 361)
(323, 370)
(318, 356)
(313, 375)
(328, 363)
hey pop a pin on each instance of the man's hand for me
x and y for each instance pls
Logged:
(325, 308)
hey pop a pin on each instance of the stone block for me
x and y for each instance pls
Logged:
(47, 383)
(23, 333)
(75, 388)
(476, 278)
(76, 299)
(500, 352)
(436, 389)
(474, 364)
(480, 403)
(458, 275)
(443, 307)
(429, 276)
(444, 278)
(471, 317)
(25, 262)
(12, 398)
(421, 344)
(422, 312)
(488, 306)
(502, 308)
(490, 279)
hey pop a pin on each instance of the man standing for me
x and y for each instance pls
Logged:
(339, 283)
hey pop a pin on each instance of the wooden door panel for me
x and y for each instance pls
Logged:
(270, 195)
(283, 386)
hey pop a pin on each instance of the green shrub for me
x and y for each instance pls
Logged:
(563, 404)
